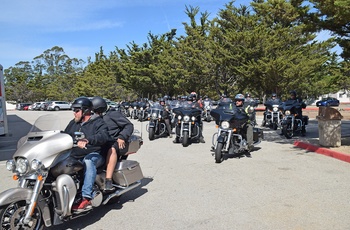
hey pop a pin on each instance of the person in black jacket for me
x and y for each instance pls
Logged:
(88, 148)
(120, 129)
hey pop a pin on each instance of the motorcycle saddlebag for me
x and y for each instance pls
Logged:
(135, 143)
(127, 172)
(257, 133)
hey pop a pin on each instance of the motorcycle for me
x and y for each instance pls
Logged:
(156, 126)
(207, 106)
(134, 110)
(231, 135)
(272, 115)
(50, 179)
(142, 112)
(291, 123)
(187, 124)
(124, 108)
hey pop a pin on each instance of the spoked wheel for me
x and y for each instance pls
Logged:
(185, 139)
(12, 214)
(219, 157)
(287, 131)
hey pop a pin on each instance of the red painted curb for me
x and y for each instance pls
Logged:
(323, 151)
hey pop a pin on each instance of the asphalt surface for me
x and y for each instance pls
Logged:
(279, 187)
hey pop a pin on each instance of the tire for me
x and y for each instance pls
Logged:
(57, 108)
(274, 126)
(287, 131)
(185, 139)
(219, 157)
(10, 215)
(151, 134)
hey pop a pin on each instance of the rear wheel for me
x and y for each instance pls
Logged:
(218, 153)
(11, 215)
(57, 108)
(185, 139)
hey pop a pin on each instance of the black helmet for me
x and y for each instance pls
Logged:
(247, 95)
(99, 105)
(274, 95)
(293, 92)
(82, 103)
(239, 97)
(189, 98)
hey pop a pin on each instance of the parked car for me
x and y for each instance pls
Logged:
(20, 106)
(329, 101)
(58, 105)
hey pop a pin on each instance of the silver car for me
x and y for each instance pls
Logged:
(59, 105)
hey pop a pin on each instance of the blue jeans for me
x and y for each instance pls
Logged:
(91, 162)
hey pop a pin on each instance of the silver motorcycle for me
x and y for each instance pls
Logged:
(50, 179)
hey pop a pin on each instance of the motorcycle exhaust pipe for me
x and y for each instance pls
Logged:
(121, 192)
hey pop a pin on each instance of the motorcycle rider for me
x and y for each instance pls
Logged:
(166, 116)
(239, 101)
(273, 101)
(194, 104)
(293, 97)
(89, 148)
(120, 129)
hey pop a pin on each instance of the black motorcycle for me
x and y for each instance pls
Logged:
(156, 126)
(231, 135)
(142, 112)
(292, 122)
(187, 124)
(272, 115)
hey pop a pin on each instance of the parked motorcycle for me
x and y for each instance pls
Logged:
(134, 110)
(50, 179)
(187, 124)
(124, 108)
(272, 115)
(231, 135)
(292, 123)
(156, 127)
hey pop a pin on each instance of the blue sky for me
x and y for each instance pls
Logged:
(29, 27)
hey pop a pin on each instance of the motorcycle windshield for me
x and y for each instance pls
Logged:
(44, 123)
(233, 116)
(187, 110)
(290, 105)
(226, 105)
(271, 104)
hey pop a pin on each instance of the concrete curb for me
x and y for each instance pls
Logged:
(323, 151)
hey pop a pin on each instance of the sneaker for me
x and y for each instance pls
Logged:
(83, 205)
(201, 140)
(108, 185)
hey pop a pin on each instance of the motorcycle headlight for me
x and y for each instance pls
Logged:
(275, 109)
(10, 165)
(154, 115)
(21, 165)
(225, 125)
(135, 107)
(179, 117)
(186, 118)
(250, 109)
(287, 112)
(207, 107)
(193, 118)
(141, 108)
(36, 164)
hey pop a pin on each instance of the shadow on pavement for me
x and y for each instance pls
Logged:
(17, 129)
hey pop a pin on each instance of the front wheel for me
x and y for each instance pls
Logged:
(218, 153)
(151, 133)
(11, 215)
(185, 139)
(287, 131)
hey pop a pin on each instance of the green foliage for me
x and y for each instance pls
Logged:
(268, 46)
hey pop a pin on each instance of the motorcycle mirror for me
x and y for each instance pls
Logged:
(79, 135)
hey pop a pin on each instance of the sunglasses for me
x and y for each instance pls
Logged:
(76, 110)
